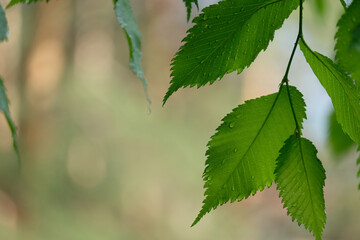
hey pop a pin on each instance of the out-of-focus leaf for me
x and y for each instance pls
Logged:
(343, 3)
(339, 141)
(13, 2)
(4, 102)
(355, 43)
(319, 6)
(128, 23)
(4, 107)
(4, 29)
(348, 41)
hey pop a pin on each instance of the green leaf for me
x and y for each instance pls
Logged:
(4, 103)
(348, 41)
(4, 107)
(355, 43)
(341, 89)
(300, 177)
(128, 23)
(343, 3)
(226, 37)
(4, 29)
(189, 6)
(339, 141)
(242, 153)
(13, 2)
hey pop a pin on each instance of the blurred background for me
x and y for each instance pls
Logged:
(96, 166)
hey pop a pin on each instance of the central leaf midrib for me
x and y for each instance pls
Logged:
(255, 138)
(307, 178)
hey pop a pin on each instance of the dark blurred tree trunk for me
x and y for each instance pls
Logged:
(28, 26)
(42, 23)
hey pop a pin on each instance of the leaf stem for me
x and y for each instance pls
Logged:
(286, 79)
(299, 36)
(298, 128)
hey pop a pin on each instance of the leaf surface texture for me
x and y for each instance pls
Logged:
(188, 4)
(341, 89)
(300, 177)
(226, 37)
(241, 155)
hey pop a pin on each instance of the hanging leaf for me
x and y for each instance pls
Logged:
(4, 107)
(13, 2)
(127, 21)
(300, 177)
(348, 41)
(339, 141)
(341, 89)
(4, 103)
(343, 3)
(188, 4)
(226, 37)
(242, 153)
(4, 29)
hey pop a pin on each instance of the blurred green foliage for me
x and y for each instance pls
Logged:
(339, 141)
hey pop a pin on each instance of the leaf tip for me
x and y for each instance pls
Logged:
(9, 5)
(199, 216)
(195, 222)
(167, 95)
